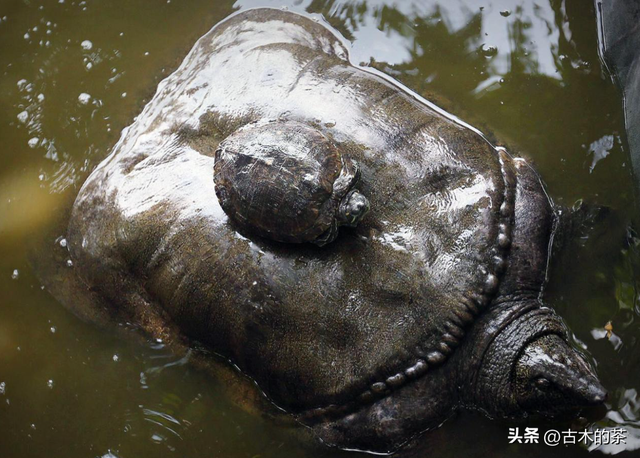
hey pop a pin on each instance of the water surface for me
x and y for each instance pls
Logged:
(73, 74)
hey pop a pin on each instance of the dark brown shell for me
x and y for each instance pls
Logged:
(283, 181)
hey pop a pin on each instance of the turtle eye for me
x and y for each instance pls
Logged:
(542, 383)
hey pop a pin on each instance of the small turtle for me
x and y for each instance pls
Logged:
(287, 182)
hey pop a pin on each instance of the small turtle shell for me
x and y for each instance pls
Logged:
(284, 181)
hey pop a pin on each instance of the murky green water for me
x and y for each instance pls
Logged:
(74, 73)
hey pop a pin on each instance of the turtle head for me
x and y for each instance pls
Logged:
(352, 208)
(550, 377)
(528, 367)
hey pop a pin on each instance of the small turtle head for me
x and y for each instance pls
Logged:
(352, 208)
(551, 378)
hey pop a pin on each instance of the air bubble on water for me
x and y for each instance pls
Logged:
(89, 66)
(69, 263)
(84, 98)
(3, 387)
(33, 142)
(50, 383)
(16, 274)
(35, 29)
(86, 45)
(123, 95)
(157, 438)
(488, 50)
(23, 116)
(122, 34)
(143, 380)
(116, 358)
(33, 426)
(501, 80)
(27, 36)
(53, 329)
(40, 97)
(146, 53)
(63, 242)
(505, 13)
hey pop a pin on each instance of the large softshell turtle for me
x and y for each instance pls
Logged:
(432, 302)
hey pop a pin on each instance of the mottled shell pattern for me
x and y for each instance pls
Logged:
(288, 182)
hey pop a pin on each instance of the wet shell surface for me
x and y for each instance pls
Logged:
(284, 181)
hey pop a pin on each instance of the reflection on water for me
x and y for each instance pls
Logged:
(74, 73)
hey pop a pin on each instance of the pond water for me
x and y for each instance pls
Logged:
(73, 74)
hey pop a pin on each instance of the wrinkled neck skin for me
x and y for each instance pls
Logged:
(524, 366)
(485, 372)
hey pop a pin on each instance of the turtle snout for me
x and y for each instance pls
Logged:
(595, 394)
(552, 378)
(355, 206)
